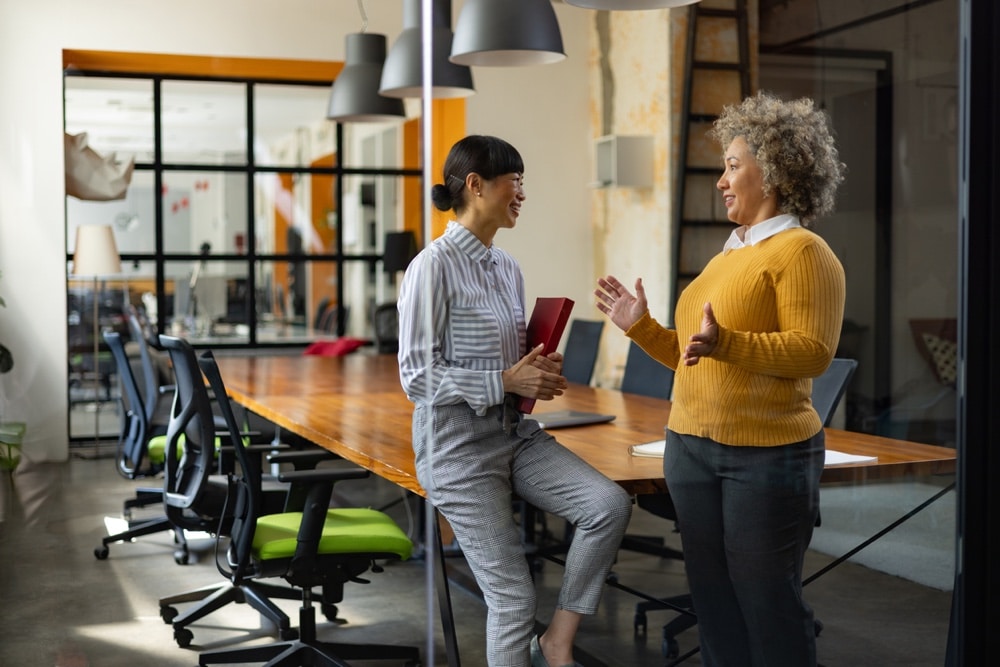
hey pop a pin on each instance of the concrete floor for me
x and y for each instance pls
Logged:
(59, 606)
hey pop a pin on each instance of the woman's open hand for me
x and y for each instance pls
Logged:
(615, 301)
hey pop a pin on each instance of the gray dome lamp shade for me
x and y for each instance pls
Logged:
(354, 97)
(402, 75)
(501, 33)
(629, 4)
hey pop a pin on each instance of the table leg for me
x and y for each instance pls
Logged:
(444, 596)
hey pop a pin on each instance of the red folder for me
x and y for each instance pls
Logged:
(547, 323)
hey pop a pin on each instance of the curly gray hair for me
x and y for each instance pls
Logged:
(794, 148)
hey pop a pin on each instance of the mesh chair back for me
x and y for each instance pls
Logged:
(134, 438)
(246, 499)
(385, 320)
(829, 387)
(580, 354)
(645, 375)
(192, 428)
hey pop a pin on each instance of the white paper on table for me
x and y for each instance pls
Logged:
(833, 457)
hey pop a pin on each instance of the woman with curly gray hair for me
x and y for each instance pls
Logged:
(745, 447)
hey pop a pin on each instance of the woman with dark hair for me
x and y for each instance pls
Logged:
(745, 446)
(463, 362)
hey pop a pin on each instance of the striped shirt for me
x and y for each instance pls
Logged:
(461, 321)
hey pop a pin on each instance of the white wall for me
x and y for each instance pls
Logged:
(542, 110)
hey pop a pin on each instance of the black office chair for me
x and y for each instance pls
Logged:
(385, 321)
(646, 376)
(317, 546)
(195, 498)
(140, 454)
(580, 352)
(827, 391)
(831, 386)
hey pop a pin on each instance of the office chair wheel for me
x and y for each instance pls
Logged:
(671, 649)
(639, 624)
(183, 637)
(101, 552)
(182, 557)
(330, 611)
(168, 614)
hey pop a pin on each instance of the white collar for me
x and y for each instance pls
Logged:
(762, 230)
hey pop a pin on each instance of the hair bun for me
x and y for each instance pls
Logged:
(441, 197)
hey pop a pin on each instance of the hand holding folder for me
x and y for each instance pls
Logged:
(546, 326)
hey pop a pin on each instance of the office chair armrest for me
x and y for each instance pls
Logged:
(303, 459)
(322, 475)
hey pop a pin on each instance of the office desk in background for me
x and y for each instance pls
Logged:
(354, 406)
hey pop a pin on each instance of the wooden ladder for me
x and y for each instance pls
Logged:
(717, 73)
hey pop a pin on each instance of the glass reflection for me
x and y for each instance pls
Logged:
(203, 122)
(290, 126)
(205, 212)
(116, 114)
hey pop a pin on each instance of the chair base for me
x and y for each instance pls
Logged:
(147, 527)
(144, 497)
(216, 596)
(298, 652)
(309, 651)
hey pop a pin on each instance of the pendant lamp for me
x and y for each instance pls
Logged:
(629, 4)
(502, 33)
(354, 97)
(402, 75)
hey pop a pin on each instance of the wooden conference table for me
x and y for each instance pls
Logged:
(354, 406)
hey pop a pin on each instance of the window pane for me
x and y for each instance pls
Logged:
(115, 114)
(205, 212)
(296, 300)
(296, 213)
(372, 146)
(290, 126)
(208, 301)
(204, 122)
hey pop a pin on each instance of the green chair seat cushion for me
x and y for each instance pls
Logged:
(156, 449)
(353, 530)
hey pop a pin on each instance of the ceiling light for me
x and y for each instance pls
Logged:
(354, 97)
(507, 32)
(402, 75)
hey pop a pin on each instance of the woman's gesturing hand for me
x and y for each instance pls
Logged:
(703, 343)
(615, 301)
(529, 378)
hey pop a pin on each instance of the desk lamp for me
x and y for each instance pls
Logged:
(96, 255)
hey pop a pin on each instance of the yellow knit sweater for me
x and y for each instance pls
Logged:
(779, 305)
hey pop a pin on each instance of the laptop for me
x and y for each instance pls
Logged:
(565, 418)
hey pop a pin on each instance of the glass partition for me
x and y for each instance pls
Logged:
(228, 247)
